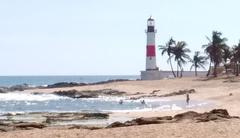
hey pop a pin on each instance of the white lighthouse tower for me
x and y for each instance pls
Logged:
(152, 72)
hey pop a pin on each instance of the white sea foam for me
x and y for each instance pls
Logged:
(126, 99)
(18, 96)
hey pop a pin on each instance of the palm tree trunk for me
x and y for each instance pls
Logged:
(226, 69)
(195, 71)
(215, 70)
(172, 68)
(237, 69)
(177, 70)
(209, 70)
(181, 72)
(234, 68)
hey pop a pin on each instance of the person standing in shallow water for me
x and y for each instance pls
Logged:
(187, 98)
(121, 102)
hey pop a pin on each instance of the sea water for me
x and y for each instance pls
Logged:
(46, 80)
(24, 102)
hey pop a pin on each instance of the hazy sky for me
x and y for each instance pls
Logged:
(97, 37)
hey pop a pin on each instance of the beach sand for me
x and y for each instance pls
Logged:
(223, 92)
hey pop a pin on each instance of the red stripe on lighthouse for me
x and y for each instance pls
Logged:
(151, 51)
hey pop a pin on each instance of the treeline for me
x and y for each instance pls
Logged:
(217, 53)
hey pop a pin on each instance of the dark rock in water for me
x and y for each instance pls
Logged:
(76, 94)
(15, 88)
(19, 87)
(3, 90)
(65, 84)
(108, 81)
(214, 115)
(89, 93)
(73, 84)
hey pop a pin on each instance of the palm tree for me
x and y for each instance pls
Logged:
(236, 57)
(227, 56)
(180, 55)
(214, 49)
(198, 62)
(168, 49)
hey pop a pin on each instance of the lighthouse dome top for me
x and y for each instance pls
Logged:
(150, 21)
(150, 18)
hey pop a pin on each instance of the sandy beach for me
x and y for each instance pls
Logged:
(222, 92)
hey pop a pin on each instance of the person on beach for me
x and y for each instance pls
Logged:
(121, 102)
(143, 102)
(187, 98)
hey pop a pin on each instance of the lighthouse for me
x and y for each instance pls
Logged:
(152, 72)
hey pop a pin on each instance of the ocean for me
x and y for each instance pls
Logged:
(46, 80)
(25, 102)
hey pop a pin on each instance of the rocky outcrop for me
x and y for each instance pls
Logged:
(59, 117)
(76, 94)
(153, 94)
(73, 84)
(11, 122)
(194, 117)
(108, 81)
(89, 93)
(65, 84)
(16, 88)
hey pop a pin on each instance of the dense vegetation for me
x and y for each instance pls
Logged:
(218, 54)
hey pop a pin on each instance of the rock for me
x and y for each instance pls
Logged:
(65, 84)
(221, 112)
(95, 115)
(214, 115)
(108, 81)
(73, 84)
(29, 125)
(83, 127)
(112, 92)
(3, 90)
(19, 87)
(186, 115)
(59, 117)
(89, 93)
(15, 88)
(76, 94)
(154, 91)
(116, 124)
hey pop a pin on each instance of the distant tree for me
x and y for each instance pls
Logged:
(214, 50)
(181, 56)
(227, 56)
(168, 49)
(236, 57)
(198, 62)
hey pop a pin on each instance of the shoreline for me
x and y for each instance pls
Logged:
(223, 92)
